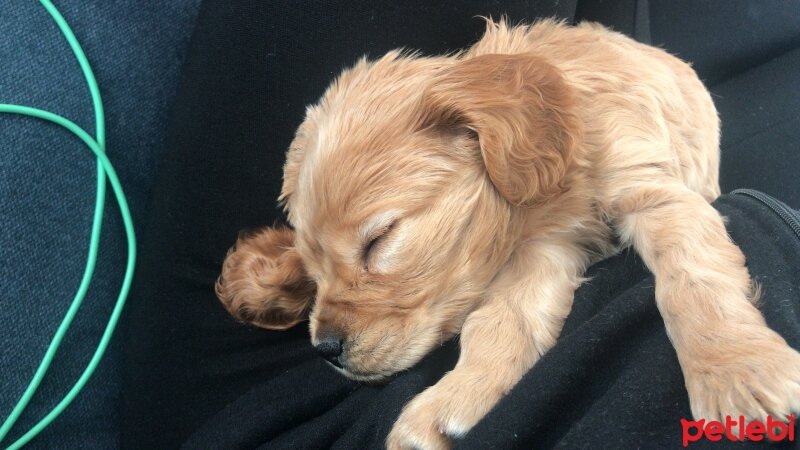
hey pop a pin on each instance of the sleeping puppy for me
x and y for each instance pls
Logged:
(466, 194)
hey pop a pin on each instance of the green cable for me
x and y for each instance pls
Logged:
(96, 227)
(104, 168)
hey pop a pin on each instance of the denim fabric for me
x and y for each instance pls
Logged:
(47, 191)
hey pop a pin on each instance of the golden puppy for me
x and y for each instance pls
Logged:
(432, 196)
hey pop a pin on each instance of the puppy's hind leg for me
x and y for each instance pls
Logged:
(520, 319)
(733, 364)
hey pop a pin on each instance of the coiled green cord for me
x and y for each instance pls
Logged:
(104, 169)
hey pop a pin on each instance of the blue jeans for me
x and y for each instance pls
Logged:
(47, 189)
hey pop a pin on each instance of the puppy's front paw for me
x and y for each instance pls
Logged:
(418, 427)
(756, 376)
(436, 415)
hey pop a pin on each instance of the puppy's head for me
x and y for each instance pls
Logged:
(406, 186)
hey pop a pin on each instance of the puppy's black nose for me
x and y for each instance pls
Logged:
(330, 348)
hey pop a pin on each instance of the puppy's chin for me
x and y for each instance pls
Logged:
(369, 378)
(385, 370)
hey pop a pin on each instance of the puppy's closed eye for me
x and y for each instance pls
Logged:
(374, 243)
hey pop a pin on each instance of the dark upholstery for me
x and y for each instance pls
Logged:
(47, 193)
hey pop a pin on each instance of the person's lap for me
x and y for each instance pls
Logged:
(611, 381)
(194, 373)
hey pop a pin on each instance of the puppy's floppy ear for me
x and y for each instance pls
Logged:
(263, 281)
(521, 109)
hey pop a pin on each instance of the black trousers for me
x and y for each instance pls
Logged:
(195, 377)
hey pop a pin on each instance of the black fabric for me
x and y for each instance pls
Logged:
(612, 380)
(196, 377)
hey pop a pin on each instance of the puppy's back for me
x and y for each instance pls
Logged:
(643, 109)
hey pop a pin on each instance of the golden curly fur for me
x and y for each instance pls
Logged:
(432, 196)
